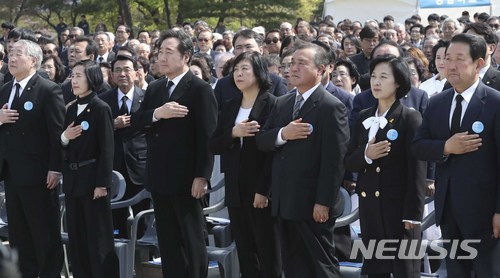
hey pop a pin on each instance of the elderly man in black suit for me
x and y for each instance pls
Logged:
(461, 132)
(308, 135)
(179, 115)
(32, 119)
(243, 41)
(130, 144)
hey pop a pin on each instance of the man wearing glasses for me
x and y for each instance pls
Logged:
(49, 50)
(494, 22)
(205, 43)
(273, 41)
(122, 33)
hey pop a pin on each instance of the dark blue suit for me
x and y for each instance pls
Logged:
(467, 186)
(226, 90)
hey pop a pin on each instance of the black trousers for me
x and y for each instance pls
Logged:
(487, 261)
(181, 230)
(34, 229)
(255, 232)
(308, 249)
(90, 232)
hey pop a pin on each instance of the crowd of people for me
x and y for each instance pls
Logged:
(393, 112)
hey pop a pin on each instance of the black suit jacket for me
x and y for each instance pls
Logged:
(30, 146)
(226, 89)
(470, 180)
(130, 144)
(178, 148)
(401, 177)
(310, 171)
(109, 59)
(492, 78)
(345, 97)
(416, 99)
(392, 188)
(246, 169)
(94, 143)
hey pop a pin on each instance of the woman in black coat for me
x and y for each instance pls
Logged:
(391, 180)
(248, 171)
(88, 144)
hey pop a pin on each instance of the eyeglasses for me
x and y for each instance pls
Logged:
(124, 70)
(203, 40)
(495, 26)
(273, 40)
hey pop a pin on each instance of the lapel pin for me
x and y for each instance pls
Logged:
(88, 110)
(28, 105)
(391, 120)
(477, 127)
(392, 134)
(85, 125)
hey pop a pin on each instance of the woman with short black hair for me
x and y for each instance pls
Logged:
(88, 144)
(247, 170)
(391, 181)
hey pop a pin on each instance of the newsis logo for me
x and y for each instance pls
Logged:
(413, 249)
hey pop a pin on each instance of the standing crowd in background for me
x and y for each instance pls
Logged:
(391, 112)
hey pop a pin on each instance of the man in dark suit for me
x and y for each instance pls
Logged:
(81, 49)
(130, 145)
(246, 40)
(369, 40)
(103, 42)
(305, 188)
(30, 162)
(179, 114)
(489, 75)
(461, 132)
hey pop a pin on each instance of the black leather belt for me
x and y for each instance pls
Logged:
(75, 166)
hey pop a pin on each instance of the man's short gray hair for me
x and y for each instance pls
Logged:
(33, 50)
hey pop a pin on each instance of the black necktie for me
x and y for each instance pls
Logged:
(166, 97)
(169, 85)
(298, 104)
(457, 115)
(123, 107)
(15, 101)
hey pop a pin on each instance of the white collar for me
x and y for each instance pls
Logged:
(309, 92)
